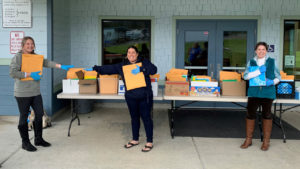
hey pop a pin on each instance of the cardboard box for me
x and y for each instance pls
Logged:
(154, 88)
(108, 84)
(70, 86)
(121, 88)
(204, 91)
(88, 86)
(234, 88)
(173, 88)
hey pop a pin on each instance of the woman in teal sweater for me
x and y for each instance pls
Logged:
(261, 95)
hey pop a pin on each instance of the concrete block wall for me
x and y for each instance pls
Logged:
(85, 17)
(38, 31)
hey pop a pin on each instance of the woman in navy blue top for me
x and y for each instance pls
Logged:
(139, 100)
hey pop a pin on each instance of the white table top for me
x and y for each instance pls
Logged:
(100, 96)
(237, 99)
(208, 98)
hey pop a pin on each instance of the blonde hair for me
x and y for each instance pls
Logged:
(24, 41)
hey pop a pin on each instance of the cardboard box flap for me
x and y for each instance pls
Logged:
(80, 74)
(177, 82)
(109, 76)
(87, 82)
(31, 63)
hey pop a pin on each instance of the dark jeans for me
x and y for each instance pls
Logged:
(36, 103)
(253, 105)
(141, 108)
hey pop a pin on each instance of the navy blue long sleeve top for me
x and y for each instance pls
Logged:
(147, 68)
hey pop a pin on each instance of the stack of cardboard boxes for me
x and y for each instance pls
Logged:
(232, 84)
(203, 86)
(85, 82)
(70, 84)
(177, 83)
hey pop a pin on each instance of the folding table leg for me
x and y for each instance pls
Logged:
(278, 120)
(171, 119)
(280, 123)
(74, 116)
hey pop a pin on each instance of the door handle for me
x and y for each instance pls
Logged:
(211, 70)
(218, 70)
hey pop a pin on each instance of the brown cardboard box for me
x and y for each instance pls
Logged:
(173, 88)
(108, 84)
(234, 88)
(88, 86)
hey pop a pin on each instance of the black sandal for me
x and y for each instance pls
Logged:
(149, 148)
(129, 145)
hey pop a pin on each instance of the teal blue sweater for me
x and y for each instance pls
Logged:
(264, 91)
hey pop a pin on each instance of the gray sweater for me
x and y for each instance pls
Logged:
(25, 88)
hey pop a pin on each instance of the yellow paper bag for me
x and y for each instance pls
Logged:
(133, 81)
(32, 63)
(90, 75)
(227, 75)
(178, 71)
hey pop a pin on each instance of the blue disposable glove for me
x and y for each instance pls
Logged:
(269, 82)
(136, 70)
(262, 69)
(35, 75)
(66, 67)
(88, 69)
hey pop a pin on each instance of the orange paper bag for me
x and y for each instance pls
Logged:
(133, 81)
(71, 74)
(32, 63)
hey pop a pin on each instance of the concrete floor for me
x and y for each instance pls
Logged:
(98, 144)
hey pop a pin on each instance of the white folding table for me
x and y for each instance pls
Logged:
(235, 100)
(72, 96)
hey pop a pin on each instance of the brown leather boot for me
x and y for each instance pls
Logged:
(267, 129)
(250, 125)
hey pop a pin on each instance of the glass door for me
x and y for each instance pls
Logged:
(235, 44)
(207, 47)
(194, 50)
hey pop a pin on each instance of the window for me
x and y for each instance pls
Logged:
(118, 35)
(291, 48)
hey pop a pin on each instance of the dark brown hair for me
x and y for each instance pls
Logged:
(133, 47)
(261, 44)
